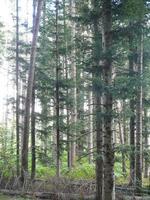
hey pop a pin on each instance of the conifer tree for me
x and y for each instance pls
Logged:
(25, 139)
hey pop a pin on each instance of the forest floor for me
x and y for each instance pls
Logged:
(65, 189)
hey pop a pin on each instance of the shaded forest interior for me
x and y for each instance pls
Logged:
(76, 117)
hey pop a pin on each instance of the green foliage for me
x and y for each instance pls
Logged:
(146, 182)
(44, 172)
(7, 156)
(134, 9)
(84, 171)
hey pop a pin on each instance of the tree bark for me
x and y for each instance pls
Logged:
(57, 97)
(24, 152)
(90, 135)
(107, 77)
(132, 117)
(146, 163)
(17, 91)
(97, 78)
(33, 162)
(73, 74)
(139, 121)
(125, 133)
(67, 90)
(122, 143)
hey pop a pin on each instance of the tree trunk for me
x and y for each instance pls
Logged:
(73, 74)
(24, 152)
(90, 135)
(122, 143)
(33, 163)
(67, 90)
(107, 77)
(125, 133)
(33, 160)
(139, 121)
(132, 118)
(57, 96)
(99, 149)
(121, 134)
(146, 163)
(17, 91)
(97, 78)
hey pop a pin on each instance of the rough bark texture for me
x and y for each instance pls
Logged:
(99, 158)
(17, 90)
(139, 121)
(97, 92)
(107, 77)
(132, 118)
(73, 74)
(67, 90)
(90, 135)
(121, 137)
(24, 152)
(57, 96)
(146, 163)
(125, 132)
(33, 162)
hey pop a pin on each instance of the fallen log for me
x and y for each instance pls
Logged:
(47, 195)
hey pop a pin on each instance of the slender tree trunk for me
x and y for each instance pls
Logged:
(97, 76)
(139, 121)
(13, 131)
(125, 133)
(73, 74)
(68, 122)
(67, 91)
(107, 76)
(82, 138)
(125, 138)
(33, 160)
(17, 91)
(90, 138)
(33, 163)
(132, 118)
(57, 96)
(146, 163)
(99, 147)
(119, 107)
(122, 143)
(53, 114)
(24, 152)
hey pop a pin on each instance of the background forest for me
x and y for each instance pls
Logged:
(78, 95)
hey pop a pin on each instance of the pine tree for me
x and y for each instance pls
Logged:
(24, 153)
(107, 77)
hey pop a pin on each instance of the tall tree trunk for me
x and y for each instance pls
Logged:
(122, 143)
(73, 74)
(107, 76)
(132, 118)
(53, 113)
(17, 91)
(97, 77)
(57, 96)
(33, 162)
(67, 90)
(139, 121)
(146, 163)
(90, 135)
(24, 152)
(119, 107)
(99, 148)
(125, 133)
(12, 131)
